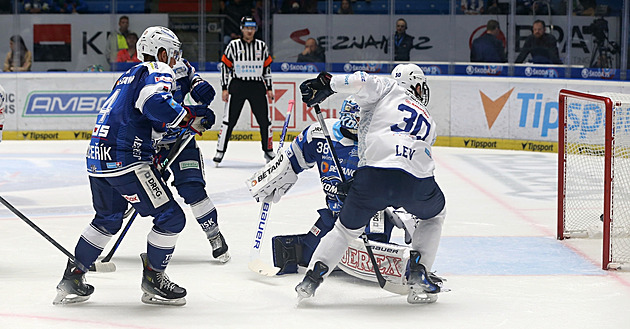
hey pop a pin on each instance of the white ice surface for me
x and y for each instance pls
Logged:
(498, 252)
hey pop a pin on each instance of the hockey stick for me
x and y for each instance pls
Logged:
(99, 267)
(255, 262)
(177, 148)
(381, 280)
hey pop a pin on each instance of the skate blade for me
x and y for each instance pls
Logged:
(418, 296)
(64, 298)
(224, 258)
(157, 300)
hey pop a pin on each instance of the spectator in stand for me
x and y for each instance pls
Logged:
(19, 58)
(529, 7)
(403, 42)
(312, 52)
(118, 41)
(70, 6)
(235, 10)
(472, 7)
(129, 55)
(488, 47)
(345, 8)
(299, 7)
(542, 46)
(37, 6)
(493, 8)
(589, 7)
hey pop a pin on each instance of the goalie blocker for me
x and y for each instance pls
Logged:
(274, 179)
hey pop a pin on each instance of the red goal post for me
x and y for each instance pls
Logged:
(594, 171)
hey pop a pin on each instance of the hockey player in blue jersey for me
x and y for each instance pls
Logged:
(121, 170)
(396, 134)
(187, 168)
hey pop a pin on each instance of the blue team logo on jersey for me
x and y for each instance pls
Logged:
(55, 103)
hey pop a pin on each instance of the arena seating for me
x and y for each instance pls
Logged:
(122, 6)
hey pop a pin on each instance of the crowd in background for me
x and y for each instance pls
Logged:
(541, 46)
(469, 7)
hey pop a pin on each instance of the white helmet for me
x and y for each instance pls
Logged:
(156, 37)
(409, 76)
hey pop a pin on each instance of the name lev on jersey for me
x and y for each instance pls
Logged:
(97, 152)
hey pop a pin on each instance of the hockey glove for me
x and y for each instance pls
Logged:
(201, 91)
(343, 188)
(202, 118)
(315, 91)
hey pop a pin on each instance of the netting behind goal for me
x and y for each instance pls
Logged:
(594, 171)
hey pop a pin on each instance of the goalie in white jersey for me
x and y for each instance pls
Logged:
(396, 133)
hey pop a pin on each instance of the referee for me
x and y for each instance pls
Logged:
(246, 75)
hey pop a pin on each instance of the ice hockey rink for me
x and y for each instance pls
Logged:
(498, 252)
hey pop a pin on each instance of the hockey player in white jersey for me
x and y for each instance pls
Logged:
(121, 170)
(396, 167)
(310, 149)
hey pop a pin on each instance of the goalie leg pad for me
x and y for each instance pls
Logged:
(380, 227)
(287, 253)
(392, 259)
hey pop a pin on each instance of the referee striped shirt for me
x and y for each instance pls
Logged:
(246, 61)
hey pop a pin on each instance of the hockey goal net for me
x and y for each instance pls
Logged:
(594, 172)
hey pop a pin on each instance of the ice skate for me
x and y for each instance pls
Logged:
(422, 288)
(269, 155)
(219, 248)
(312, 280)
(158, 289)
(72, 287)
(218, 158)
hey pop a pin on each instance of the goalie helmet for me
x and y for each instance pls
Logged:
(155, 38)
(409, 76)
(349, 117)
(248, 21)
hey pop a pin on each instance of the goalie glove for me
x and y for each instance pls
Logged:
(201, 91)
(202, 118)
(315, 91)
(274, 179)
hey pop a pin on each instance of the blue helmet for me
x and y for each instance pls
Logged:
(349, 115)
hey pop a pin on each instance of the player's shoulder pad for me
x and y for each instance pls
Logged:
(181, 69)
(159, 68)
(315, 131)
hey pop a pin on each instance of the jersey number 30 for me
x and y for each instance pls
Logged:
(414, 125)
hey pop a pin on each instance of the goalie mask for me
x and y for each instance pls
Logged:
(155, 38)
(349, 118)
(410, 76)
